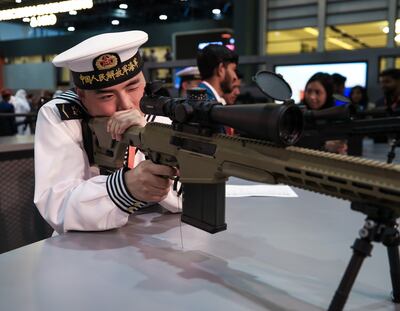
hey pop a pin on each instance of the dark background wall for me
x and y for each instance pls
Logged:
(158, 36)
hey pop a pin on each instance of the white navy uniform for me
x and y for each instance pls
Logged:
(69, 193)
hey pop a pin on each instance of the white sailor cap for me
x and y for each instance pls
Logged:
(189, 73)
(104, 60)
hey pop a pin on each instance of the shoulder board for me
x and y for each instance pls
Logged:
(72, 109)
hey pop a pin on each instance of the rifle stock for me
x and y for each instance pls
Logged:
(208, 162)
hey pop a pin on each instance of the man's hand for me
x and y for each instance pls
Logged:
(150, 182)
(120, 121)
(336, 146)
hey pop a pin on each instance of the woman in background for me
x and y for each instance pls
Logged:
(359, 98)
(318, 95)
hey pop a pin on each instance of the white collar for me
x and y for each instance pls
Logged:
(217, 97)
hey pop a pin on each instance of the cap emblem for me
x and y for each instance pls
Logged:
(106, 61)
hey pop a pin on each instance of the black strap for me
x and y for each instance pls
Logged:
(87, 140)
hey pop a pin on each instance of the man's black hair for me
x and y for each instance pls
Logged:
(211, 56)
(338, 79)
(394, 73)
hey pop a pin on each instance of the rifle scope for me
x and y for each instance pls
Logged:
(336, 113)
(281, 124)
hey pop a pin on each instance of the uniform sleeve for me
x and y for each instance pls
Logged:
(67, 193)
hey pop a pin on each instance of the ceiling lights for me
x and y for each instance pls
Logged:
(397, 30)
(45, 9)
(334, 41)
(43, 20)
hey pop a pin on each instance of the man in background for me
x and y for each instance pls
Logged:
(8, 125)
(339, 83)
(217, 65)
(190, 78)
(389, 81)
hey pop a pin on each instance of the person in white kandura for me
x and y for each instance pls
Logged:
(70, 192)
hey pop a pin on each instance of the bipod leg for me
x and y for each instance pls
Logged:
(394, 263)
(391, 240)
(361, 249)
(392, 152)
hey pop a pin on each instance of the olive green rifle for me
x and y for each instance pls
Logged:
(206, 158)
(206, 161)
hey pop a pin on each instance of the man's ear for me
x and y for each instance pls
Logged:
(81, 93)
(221, 70)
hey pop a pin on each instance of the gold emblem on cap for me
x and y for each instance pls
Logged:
(106, 61)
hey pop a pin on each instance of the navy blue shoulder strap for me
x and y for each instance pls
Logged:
(72, 109)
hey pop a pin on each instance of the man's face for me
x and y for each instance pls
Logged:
(231, 97)
(388, 84)
(186, 85)
(192, 83)
(229, 78)
(339, 89)
(105, 102)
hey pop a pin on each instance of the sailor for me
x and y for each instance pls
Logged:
(189, 78)
(70, 193)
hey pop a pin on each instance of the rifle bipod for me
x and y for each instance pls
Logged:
(380, 226)
(395, 142)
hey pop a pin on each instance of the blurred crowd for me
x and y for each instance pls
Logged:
(18, 110)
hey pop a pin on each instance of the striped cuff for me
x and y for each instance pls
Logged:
(119, 193)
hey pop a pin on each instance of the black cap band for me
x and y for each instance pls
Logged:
(99, 79)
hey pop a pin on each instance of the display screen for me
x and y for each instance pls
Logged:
(298, 75)
(188, 44)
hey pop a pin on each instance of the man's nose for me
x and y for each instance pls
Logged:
(124, 102)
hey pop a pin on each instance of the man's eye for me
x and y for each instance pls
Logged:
(106, 97)
(131, 89)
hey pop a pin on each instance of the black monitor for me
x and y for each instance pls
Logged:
(187, 44)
